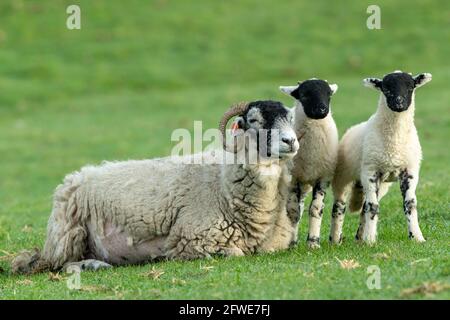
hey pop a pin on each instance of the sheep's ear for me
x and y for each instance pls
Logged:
(334, 87)
(290, 91)
(239, 122)
(421, 79)
(374, 83)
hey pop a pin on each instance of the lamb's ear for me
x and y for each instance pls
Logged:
(421, 79)
(334, 87)
(374, 83)
(290, 91)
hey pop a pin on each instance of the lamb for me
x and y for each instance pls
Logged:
(375, 153)
(314, 166)
(132, 212)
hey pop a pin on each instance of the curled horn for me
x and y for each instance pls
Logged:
(236, 109)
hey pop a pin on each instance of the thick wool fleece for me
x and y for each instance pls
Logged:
(138, 211)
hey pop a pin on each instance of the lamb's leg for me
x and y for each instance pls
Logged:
(315, 214)
(338, 212)
(361, 226)
(371, 183)
(337, 221)
(296, 205)
(302, 193)
(408, 184)
(383, 188)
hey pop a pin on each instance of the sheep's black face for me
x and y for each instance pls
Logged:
(272, 124)
(398, 89)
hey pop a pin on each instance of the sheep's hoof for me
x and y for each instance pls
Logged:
(86, 265)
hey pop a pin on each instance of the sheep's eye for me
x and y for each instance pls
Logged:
(252, 121)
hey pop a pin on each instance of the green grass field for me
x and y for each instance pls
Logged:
(137, 70)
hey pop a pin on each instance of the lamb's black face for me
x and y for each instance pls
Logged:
(398, 89)
(315, 96)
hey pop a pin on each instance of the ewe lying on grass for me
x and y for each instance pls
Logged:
(375, 153)
(136, 211)
(315, 165)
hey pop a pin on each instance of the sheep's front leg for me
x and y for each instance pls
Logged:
(315, 214)
(369, 219)
(408, 184)
(86, 265)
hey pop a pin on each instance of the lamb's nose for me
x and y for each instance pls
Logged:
(399, 99)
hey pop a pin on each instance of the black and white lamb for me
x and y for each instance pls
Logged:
(375, 153)
(314, 166)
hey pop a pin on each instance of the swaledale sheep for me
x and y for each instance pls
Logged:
(314, 166)
(375, 153)
(133, 212)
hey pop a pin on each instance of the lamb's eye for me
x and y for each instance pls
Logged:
(252, 121)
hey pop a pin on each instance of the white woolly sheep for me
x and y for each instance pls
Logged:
(314, 166)
(137, 211)
(377, 152)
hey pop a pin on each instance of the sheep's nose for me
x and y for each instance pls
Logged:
(288, 141)
(399, 99)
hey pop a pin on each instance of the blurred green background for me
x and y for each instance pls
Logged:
(137, 70)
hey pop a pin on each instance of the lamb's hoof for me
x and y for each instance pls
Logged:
(418, 238)
(335, 240)
(369, 240)
(86, 265)
(313, 242)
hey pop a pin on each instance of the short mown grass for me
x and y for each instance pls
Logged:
(118, 87)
